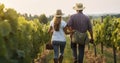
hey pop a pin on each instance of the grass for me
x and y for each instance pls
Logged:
(68, 55)
(108, 54)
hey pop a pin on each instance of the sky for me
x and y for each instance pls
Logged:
(48, 7)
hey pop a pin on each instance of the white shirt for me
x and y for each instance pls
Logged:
(58, 35)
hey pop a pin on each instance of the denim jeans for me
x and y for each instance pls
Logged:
(58, 45)
(80, 49)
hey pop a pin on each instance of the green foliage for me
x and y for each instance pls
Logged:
(5, 28)
(1, 11)
(108, 31)
(11, 14)
(20, 40)
(43, 19)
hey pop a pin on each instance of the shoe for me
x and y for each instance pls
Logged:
(60, 59)
(55, 60)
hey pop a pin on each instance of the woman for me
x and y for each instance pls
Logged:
(58, 30)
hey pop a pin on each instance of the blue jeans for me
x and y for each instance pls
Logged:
(58, 45)
(80, 49)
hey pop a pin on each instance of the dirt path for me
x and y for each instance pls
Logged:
(89, 57)
(47, 56)
(42, 58)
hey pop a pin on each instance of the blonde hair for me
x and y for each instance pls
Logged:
(57, 22)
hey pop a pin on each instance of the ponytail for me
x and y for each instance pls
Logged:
(57, 22)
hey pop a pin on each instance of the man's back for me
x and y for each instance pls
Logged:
(80, 22)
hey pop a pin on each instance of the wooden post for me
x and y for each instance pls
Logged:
(102, 42)
(95, 50)
(114, 53)
(102, 47)
(101, 19)
(88, 46)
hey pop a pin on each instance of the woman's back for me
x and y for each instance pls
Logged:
(58, 35)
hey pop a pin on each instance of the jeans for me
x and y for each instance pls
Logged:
(80, 49)
(58, 45)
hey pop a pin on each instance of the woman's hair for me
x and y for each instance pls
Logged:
(57, 22)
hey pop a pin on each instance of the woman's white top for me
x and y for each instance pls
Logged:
(58, 35)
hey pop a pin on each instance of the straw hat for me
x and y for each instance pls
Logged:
(78, 6)
(58, 13)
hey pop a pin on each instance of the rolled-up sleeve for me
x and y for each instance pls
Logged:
(89, 25)
(51, 23)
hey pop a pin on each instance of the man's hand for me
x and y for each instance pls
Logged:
(92, 41)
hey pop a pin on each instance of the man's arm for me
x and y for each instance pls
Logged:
(90, 31)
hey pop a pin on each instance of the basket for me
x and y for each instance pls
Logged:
(49, 46)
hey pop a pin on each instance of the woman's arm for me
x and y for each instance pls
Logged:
(68, 30)
(50, 30)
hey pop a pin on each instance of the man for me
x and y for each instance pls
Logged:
(82, 24)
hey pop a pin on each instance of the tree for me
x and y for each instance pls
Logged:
(11, 14)
(1, 11)
(43, 19)
(66, 18)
